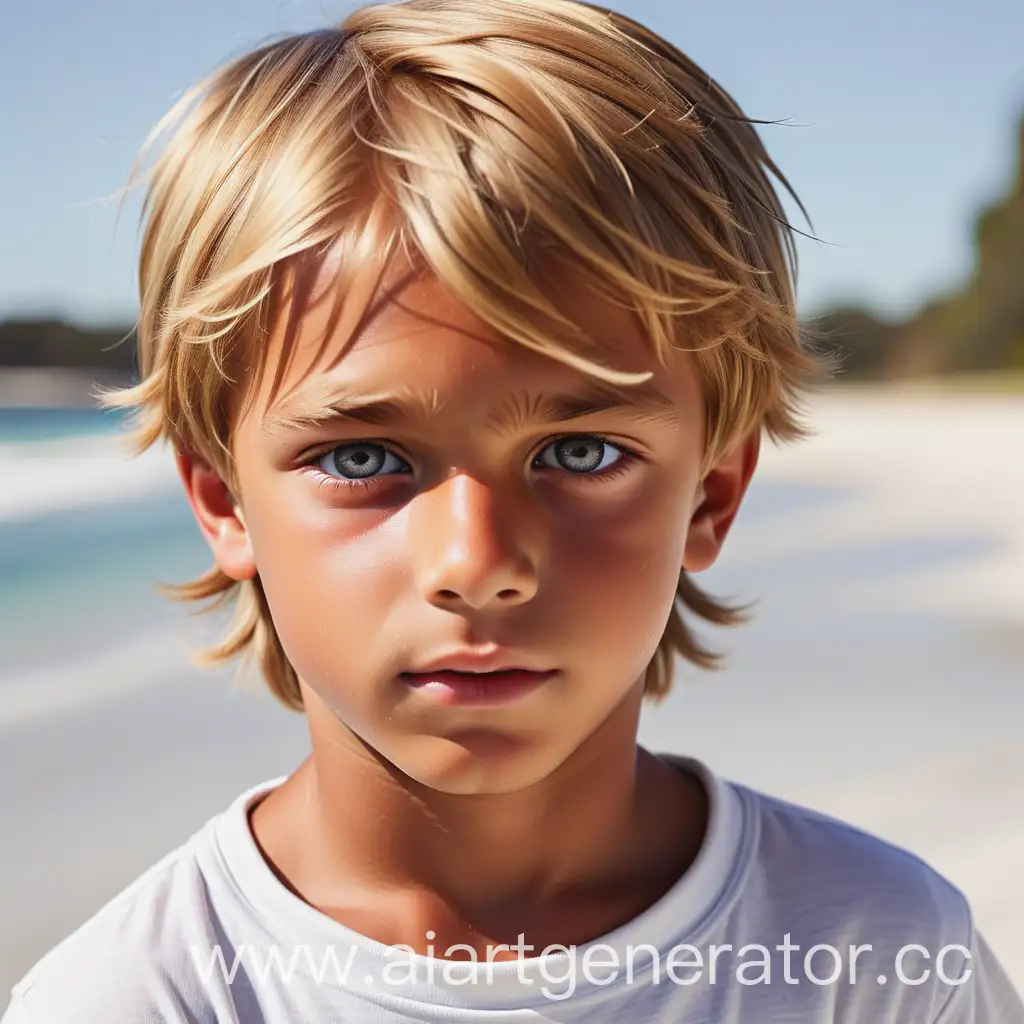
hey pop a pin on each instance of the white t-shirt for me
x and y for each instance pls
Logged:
(209, 934)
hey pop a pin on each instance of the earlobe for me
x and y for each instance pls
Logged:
(719, 497)
(218, 515)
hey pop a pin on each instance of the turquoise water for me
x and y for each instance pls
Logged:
(47, 424)
(76, 580)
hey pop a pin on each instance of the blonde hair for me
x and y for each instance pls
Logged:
(475, 133)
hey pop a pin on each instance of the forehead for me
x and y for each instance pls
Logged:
(396, 322)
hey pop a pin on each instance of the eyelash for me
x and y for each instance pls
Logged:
(627, 457)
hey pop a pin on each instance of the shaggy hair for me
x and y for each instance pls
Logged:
(481, 137)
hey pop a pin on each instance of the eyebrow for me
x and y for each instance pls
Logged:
(408, 407)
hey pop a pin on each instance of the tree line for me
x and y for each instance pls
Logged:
(978, 326)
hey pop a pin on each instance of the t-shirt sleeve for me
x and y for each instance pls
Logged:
(15, 1013)
(985, 996)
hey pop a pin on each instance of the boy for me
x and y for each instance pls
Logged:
(465, 321)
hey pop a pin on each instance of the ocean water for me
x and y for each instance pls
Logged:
(31, 423)
(79, 580)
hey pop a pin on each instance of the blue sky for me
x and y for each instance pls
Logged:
(899, 124)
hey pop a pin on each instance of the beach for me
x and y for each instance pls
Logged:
(879, 681)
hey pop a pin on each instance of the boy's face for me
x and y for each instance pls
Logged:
(476, 520)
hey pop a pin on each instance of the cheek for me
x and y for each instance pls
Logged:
(328, 579)
(621, 570)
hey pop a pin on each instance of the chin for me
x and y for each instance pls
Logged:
(478, 762)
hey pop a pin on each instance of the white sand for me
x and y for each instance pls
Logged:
(56, 689)
(929, 465)
(50, 476)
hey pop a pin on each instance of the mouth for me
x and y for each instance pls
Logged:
(452, 687)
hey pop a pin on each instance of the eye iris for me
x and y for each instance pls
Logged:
(359, 460)
(579, 456)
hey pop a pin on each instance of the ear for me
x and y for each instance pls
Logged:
(717, 502)
(219, 517)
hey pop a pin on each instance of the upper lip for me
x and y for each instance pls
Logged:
(489, 660)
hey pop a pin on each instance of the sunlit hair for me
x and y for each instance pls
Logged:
(484, 138)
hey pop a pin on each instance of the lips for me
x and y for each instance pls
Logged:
(479, 661)
(458, 687)
(455, 676)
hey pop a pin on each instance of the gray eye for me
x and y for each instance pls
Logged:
(579, 455)
(359, 461)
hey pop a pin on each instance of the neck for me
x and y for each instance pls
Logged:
(612, 827)
(565, 830)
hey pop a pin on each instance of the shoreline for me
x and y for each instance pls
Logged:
(54, 476)
(28, 387)
(912, 458)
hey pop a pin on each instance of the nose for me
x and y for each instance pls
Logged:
(470, 546)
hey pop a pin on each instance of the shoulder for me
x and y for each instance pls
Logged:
(131, 960)
(836, 878)
(899, 935)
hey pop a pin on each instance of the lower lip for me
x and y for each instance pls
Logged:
(491, 688)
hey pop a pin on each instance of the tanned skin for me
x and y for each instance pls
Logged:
(540, 816)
